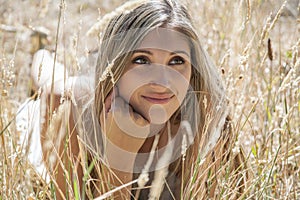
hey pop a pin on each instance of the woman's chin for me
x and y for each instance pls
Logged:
(158, 114)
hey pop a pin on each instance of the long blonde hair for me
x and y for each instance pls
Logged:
(123, 34)
(127, 30)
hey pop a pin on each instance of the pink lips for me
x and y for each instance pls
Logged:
(158, 98)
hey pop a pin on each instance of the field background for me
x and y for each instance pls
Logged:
(255, 45)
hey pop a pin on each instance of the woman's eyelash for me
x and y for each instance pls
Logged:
(141, 60)
(177, 61)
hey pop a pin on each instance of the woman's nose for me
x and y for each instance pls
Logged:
(159, 88)
(160, 76)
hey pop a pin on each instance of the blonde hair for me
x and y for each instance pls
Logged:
(124, 33)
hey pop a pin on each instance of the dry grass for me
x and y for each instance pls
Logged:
(255, 44)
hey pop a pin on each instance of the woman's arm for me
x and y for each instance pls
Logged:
(119, 124)
(59, 140)
(60, 147)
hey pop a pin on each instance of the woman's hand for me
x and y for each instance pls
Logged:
(125, 131)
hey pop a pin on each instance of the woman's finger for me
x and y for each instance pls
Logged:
(137, 118)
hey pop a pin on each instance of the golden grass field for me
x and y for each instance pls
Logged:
(254, 43)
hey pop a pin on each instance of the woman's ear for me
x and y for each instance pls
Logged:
(110, 98)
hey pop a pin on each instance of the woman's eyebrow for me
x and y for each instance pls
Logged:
(143, 51)
(172, 53)
(180, 52)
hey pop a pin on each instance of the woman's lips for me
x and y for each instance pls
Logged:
(158, 99)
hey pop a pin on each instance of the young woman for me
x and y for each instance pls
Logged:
(159, 116)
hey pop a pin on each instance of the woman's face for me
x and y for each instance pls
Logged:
(157, 77)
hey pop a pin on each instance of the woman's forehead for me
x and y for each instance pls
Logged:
(165, 39)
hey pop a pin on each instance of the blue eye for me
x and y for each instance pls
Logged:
(141, 60)
(177, 61)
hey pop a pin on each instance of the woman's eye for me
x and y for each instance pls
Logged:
(177, 61)
(141, 60)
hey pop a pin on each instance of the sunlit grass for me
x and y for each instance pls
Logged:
(255, 45)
